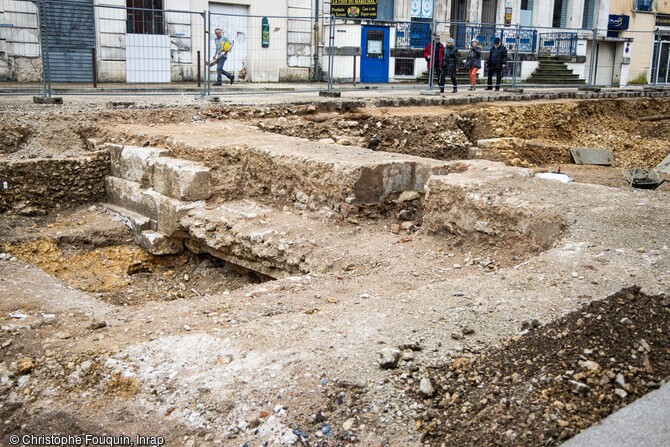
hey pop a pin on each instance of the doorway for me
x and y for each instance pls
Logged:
(661, 61)
(375, 54)
(232, 19)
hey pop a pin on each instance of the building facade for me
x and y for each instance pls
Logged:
(158, 41)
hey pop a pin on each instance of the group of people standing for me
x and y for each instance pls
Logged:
(445, 62)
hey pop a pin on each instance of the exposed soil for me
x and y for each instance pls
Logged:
(544, 386)
(521, 348)
(103, 260)
(546, 131)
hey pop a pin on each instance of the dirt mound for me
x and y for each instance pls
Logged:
(553, 381)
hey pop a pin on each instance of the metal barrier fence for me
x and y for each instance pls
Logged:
(112, 48)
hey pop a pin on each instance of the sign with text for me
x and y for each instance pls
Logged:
(618, 22)
(354, 9)
(265, 33)
(662, 20)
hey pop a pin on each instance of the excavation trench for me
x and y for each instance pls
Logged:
(256, 177)
(400, 236)
(111, 267)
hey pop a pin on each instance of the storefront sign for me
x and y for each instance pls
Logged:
(662, 19)
(265, 32)
(618, 22)
(354, 9)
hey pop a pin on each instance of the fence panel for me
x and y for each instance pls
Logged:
(115, 47)
(265, 48)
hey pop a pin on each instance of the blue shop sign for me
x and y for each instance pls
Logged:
(618, 22)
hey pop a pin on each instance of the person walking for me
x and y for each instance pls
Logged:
(434, 63)
(473, 62)
(223, 47)
(496, 63)
(449, 64)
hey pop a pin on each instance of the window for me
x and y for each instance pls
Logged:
(375, 44)
(560, 13)
(587, 18)
(643, 5)
(404, 67)
(145, 17)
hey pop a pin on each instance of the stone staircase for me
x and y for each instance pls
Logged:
(462, 77)
(153, 191)
(164, 200)
(553, 70)
(304, 192)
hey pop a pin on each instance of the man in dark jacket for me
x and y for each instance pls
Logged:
(449, 65)
(433, 57)
(496, 63)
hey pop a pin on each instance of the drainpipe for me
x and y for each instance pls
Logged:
(594, 43)
(315, 74)
(657, 33)
(516, 53)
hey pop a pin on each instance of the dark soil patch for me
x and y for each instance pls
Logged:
(445, 137)
(553, 381)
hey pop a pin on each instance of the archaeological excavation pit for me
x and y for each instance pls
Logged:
(251, 262)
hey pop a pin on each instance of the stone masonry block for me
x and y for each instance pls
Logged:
(181, 179)
(135, 221)
(169, 212)
(164, 211)
(491, 201)
(135, 163)
(158, 244)
(131, 195)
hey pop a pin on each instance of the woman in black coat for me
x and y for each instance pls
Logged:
(449, 64)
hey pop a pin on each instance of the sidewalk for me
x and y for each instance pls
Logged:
(643, 423)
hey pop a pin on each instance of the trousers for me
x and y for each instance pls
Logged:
(219, 69)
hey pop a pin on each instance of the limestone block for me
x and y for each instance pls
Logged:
(131, 196)
(251, 235)
(181, 179)
(158, 244)
(135, 221)
(169, 212)
(165, 211)
(491, 202)
(135, 163)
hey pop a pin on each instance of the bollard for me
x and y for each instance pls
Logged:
(198, 68)
(95, 70)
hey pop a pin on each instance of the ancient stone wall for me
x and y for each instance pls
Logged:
(40, 186)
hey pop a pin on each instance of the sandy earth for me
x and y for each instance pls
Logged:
(201, 354)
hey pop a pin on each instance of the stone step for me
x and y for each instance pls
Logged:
(135, 221)
(163, 210)
(152, 168)
(549, 80)
(134, 163)
(551, 72)
(144, 233)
